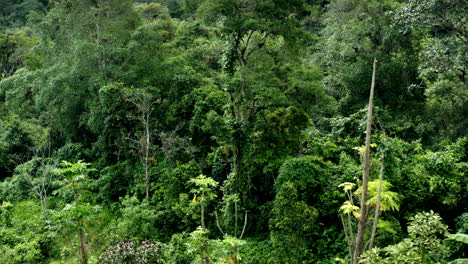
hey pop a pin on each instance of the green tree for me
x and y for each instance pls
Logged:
(249, 29)
(14, 13)
(203, 193)
(76, 213)
(38, 172)
(442, 68)
(145, 102)
(356, 32)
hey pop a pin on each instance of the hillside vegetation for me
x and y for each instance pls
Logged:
(233, 131)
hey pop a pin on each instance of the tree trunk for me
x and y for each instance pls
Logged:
(365, 175)
(207, 256)
(202, 204)
(235, 218)
(44, 206)
(147, 149)
(83, 253)
(234, 255)
(377, 207)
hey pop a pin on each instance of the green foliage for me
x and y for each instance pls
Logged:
(291, 225)
(112, 181)
(173, 201)
(203, 187)
(22, 236)
(79, 216)
(203, 194)
(310, 174)
(17, 188)
(15, 50)
(444, 170)
(14, 13)
(424, 244)
(200, 246)
(256, 252)
(459, 237)
(462, 223)
(19, 138)
(138, 220)
(389, 200)
(306, 173)
(265, 99)
(441, 27)
(205, 250)
(74, 182)
(176, 250)
(280, 137)
(459, 248)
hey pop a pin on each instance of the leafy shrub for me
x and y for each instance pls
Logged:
(259, 252)
(176, 250)
(21, 233)
(291, 225)
(424, 244)
(138, 219)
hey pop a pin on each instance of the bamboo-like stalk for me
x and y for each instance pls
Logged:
(365, 175)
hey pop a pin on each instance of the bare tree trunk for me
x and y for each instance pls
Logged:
(365, 175)
(144, 103)
(83, 253)
(206, 248)
(147, 149)
(202, 203)
(235, 220)
(207, 257)
(377, 207)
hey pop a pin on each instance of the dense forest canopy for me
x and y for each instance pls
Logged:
(233, 131)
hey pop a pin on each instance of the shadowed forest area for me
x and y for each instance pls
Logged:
(233, 131)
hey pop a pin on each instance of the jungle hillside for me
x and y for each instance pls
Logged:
(233, 131)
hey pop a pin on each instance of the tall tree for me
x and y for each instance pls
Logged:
(74, 183)
(365, 175)
(145, 102)
(248, 27)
